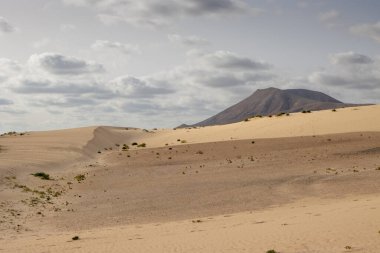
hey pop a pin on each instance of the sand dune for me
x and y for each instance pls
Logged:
(37, 148)
(346, 120)
(298, 183)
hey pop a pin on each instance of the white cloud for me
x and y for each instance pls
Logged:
(67, 27)
(8, 68)
(367, 30)
(113, 45)
(5, 26)
(41, 43)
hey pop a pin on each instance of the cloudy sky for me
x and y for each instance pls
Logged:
(155, 63)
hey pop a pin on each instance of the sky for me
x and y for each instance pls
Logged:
(155, 63)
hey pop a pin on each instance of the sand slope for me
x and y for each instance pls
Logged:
(310, 226)
(39, 148)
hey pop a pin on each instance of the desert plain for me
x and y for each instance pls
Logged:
(298, 183)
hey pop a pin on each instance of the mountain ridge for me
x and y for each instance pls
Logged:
(272, 101)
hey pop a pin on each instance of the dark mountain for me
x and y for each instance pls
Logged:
(273, 101)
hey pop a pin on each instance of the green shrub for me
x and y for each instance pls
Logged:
(142, 145)
(80, 177)
(42, 175)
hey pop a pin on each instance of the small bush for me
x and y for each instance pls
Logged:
(247, 119)
(80, 177)
(334, 110)
(183, 141)
(42, 175)
(75, 238)
(271, 251)
(280, 114)
(142, 145)
(199, 152)
(135, 144)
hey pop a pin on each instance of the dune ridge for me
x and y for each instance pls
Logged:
(345, 120)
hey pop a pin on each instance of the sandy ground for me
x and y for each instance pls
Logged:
(298, 183)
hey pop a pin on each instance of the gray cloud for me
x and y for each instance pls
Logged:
(137, 88)
(225, 80)
(157, 13)
(45, 86)
(367, 30)
(113, 45)
(5, 26)
(187, 40)
(351, 58)
(328, 16)
(4, 101)
(58, 64)
(229, 60)
(349, 70)
(67, 102)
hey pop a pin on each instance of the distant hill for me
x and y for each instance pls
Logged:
(272, 101)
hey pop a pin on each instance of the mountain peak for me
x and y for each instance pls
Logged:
(271, 101)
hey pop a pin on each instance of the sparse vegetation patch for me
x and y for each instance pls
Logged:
(42, 175)
(80, 177)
